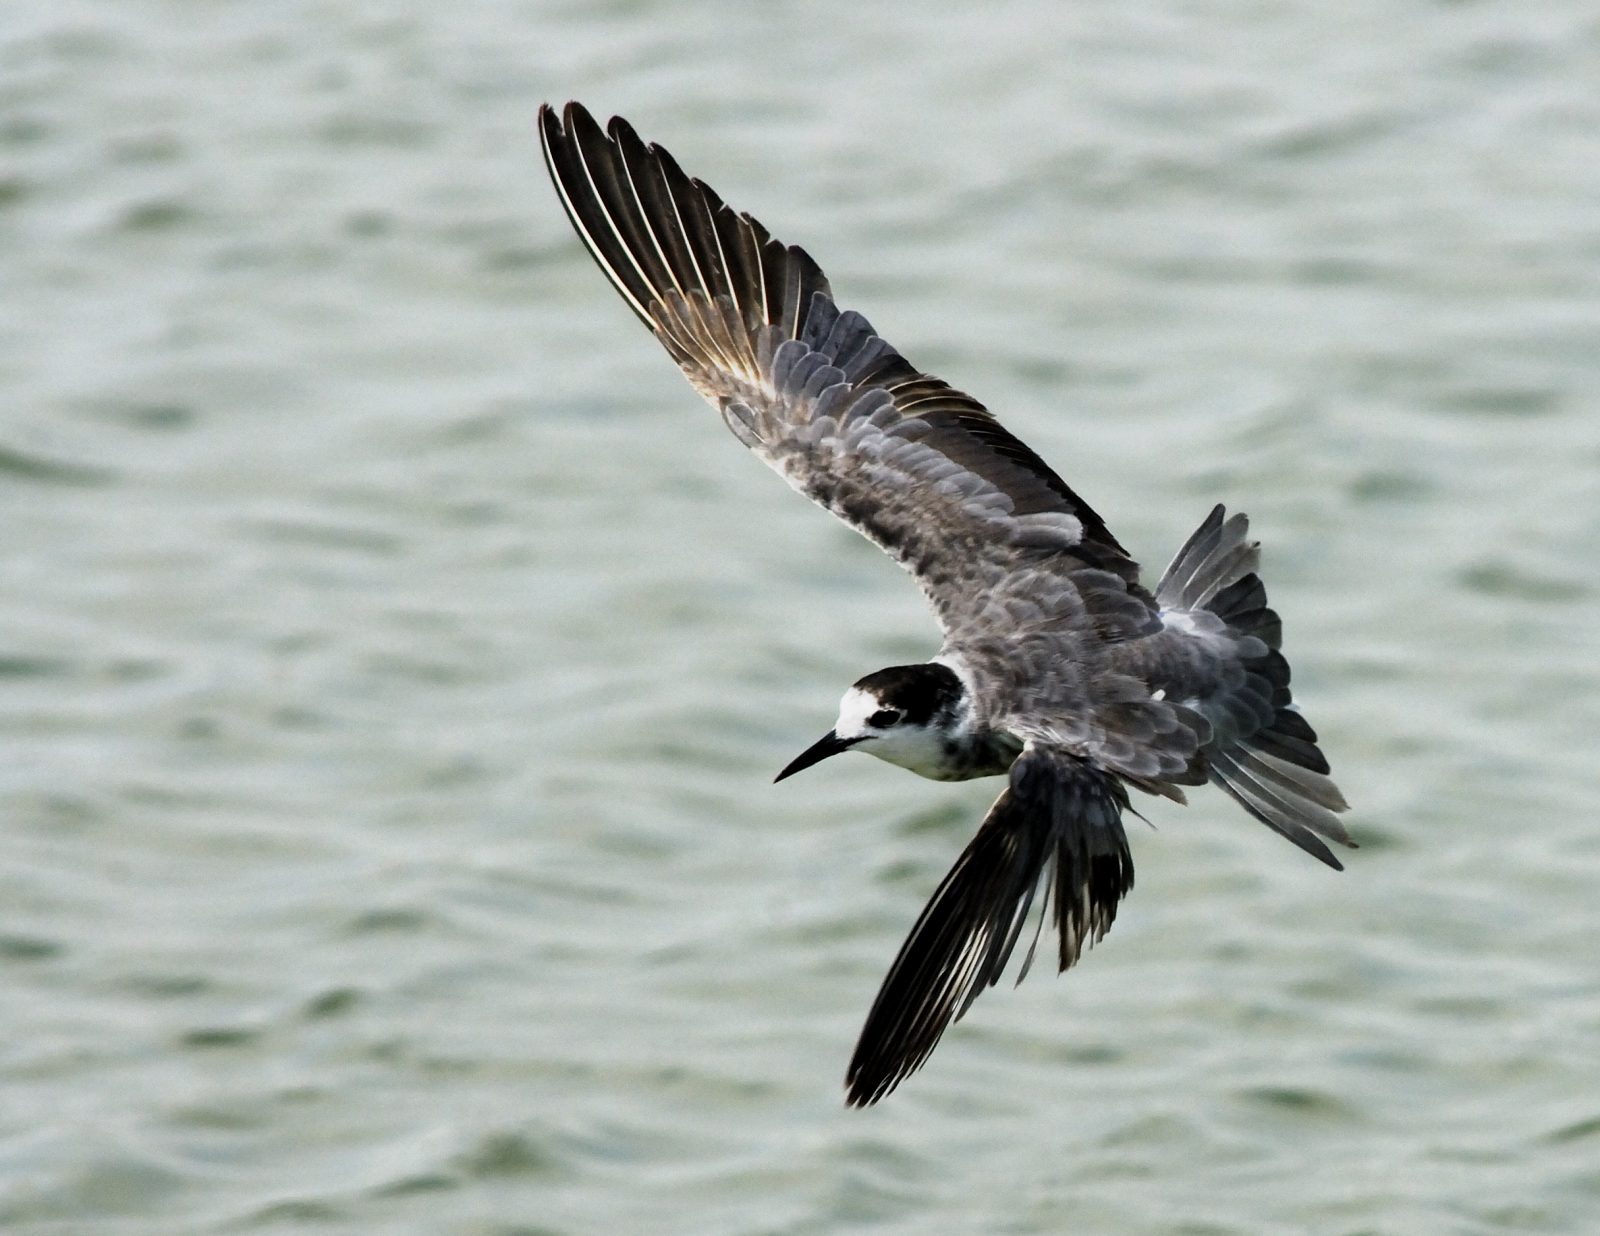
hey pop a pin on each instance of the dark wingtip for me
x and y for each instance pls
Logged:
(857, 1098)
(559, 118)
(624, 134)
(868, 1082)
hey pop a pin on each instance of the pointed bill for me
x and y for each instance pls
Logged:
(829, 744)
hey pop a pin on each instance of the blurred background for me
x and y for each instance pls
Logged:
(395, 654)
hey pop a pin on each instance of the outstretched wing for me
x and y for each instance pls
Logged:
(1058, 809)
(919, 468)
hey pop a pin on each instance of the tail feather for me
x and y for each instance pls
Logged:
(1263, 753)
(1312, 786)
(1279, 803)
(1198, 570)
(1243, 606)
(1292, 739)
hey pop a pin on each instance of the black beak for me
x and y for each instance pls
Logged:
(829, 744)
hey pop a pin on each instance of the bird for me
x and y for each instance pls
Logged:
(1058, 669)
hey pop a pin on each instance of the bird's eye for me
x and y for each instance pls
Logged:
(884, 718)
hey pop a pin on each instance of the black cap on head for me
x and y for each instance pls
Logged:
(920, 692)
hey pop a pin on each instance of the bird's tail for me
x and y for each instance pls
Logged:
(1263, 753)
(1058, 810)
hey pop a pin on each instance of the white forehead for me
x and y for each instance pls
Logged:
(854, 709)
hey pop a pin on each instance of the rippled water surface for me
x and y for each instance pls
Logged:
(395, 654)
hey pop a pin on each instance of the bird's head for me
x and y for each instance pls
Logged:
(906, 714)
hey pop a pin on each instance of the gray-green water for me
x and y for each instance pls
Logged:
(395, 653)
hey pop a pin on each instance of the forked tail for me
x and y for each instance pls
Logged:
(1262, 752)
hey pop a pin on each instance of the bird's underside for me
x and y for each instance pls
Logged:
(1059, 649)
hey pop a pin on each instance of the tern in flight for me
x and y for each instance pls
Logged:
(1059, 669)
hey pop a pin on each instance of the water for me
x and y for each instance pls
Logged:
(396, 654)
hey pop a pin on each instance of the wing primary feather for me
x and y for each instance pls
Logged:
(626, 187)
(586, 165)
(580, 199)
(697, 226)
(607, 174)
(647, 180)
(1057, 809)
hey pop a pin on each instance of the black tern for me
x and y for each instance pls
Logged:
(1059, 670)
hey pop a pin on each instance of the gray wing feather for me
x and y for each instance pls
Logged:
(919, 468)
(1053, 677)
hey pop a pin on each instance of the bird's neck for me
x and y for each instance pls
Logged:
(985, 753)
(962, 746)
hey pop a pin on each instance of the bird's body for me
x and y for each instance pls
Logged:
(1059, 669)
